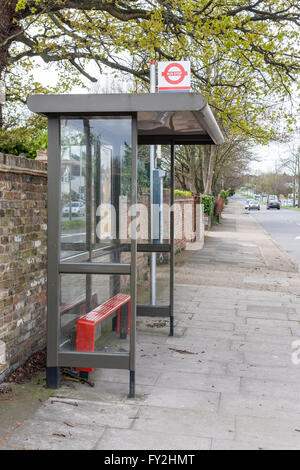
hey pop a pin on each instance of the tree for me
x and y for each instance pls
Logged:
(231, 163)
(188, 161)
(273, 182)
(197, 172)
(250, 39)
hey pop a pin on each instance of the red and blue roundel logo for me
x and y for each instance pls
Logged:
(174, 76)
(174, 73)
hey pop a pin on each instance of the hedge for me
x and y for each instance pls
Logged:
(207, 202)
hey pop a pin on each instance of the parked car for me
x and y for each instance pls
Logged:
(247, 204)
(273, 202)
(289, 203)
(77, 209)
(253, 204)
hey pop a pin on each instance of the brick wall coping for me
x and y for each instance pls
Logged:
(183, 198)
(22, 165)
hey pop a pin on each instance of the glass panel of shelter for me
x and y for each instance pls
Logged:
(89, 296)
(147, 293)
(155, 260)
(95, 189)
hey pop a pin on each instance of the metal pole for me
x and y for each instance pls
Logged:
(172, 200)
(152, 165)
(89, 193)
(80, 177)
(161, 209)
(88, 202)
(133, 271)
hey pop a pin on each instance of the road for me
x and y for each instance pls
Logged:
(283, 226)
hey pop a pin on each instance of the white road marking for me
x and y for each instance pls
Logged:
(72, 234)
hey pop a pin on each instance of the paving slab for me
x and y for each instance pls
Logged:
(254, 332)
(216, 315)
(263, 313)
(49, 435)
(277, 432)
(269, 387)
(200, 344)
(268, 407)
(169, 397)
(193, 422)
(145, 377)
(284, 374)
(271, 323)
(213, 333)
(183, 363)
(263, 344)
(223, 444)
(194, 381)
(113, 439)
(84, 412)
(193, 321)
(104, 391)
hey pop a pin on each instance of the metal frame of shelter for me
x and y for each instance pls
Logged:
(181, 119)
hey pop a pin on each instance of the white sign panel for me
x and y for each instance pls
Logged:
(174, 76)
(2, 92)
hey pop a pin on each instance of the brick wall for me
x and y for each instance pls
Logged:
(23, 238)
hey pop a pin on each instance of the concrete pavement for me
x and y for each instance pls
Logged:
(225, 381)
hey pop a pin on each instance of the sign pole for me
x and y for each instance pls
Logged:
(152, 166)
(173, 77)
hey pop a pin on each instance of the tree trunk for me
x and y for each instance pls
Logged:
(192, 171)
(205, 161)
(211, 168)
(8, 28)
(294, 190)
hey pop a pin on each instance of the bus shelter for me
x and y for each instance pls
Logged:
(95, 248)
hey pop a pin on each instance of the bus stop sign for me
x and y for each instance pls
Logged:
(174, 76)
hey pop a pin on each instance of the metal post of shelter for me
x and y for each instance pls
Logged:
(52, 371)
(133, 273)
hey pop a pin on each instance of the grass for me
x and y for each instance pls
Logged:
(291, 208)
(69, 224)
(242, 193)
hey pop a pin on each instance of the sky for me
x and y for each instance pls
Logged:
(271, 156)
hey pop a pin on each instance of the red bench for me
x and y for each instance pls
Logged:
(86, 324)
